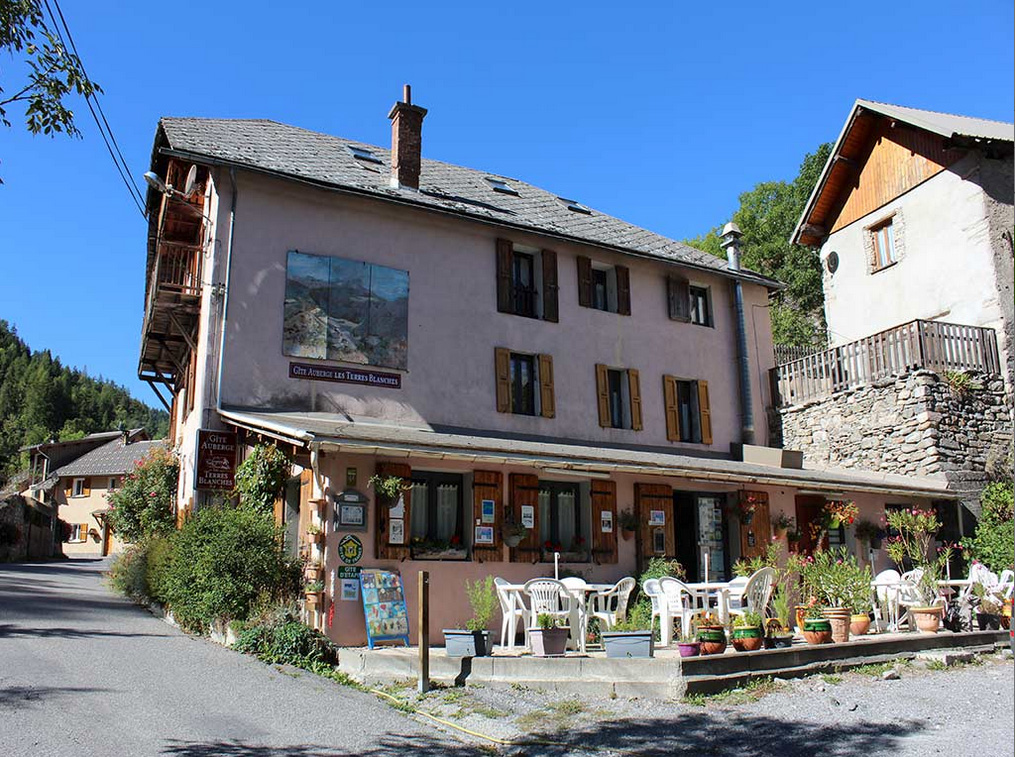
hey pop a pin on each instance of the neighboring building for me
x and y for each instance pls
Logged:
(77, 478)
(512, 354)
(913, 217)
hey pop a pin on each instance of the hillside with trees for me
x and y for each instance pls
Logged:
(41, 399)
(767, 216)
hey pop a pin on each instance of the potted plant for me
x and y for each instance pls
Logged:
(549, 637)
(513, 533)
(817, 628)
(628, 523)
(777, 629)
(313, 593)
(868, 532)
(314, 534)
(913, 543)
(782, 524)
(633, 636)
(314, 571)
(748, 634)
(711, 635)
(860, 599)
(474, 639)
(839, 512)
(688, 645)
(746, 506)
(988, 608)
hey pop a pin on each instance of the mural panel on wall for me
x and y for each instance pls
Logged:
(346, 310)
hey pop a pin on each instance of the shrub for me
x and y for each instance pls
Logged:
(835, 579)
(484, 603)
(994, 541)
(262, 476)
(222, 560)
(159, 556)
(143, 506)
(280, 639)
(127, 572)
(660, 567)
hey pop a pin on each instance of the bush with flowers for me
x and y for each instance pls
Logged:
(912, 544)
(143, 505)
(833, 578)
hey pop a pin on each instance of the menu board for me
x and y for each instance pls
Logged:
(387, 617)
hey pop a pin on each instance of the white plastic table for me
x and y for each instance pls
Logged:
(704, 591)
(578, 619)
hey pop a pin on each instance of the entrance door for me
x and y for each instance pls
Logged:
(755, 536)
(291, 516)
(653, 506)
(107, 536)
(808, 511)
(685, 522)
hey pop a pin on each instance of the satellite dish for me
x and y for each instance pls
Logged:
(188, 185)
(832, 261)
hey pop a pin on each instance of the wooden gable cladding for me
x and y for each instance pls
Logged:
(604, 499)
(386, 550)
(756, 534)
(523, 490)
(658, 498)
(899, 158)
(488, 485)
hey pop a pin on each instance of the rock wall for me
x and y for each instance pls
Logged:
(914, 424)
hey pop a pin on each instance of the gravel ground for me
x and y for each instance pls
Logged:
(965, 709)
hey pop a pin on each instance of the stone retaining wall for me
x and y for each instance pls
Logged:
(914, 424)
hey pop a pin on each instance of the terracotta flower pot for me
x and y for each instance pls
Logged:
(859, 624)
(626, 534)
(817, 631)
(315, 574)
(928, 619)
(713, 640)
(747, 639)
(839, 617)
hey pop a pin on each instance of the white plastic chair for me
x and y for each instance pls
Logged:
(512, 609)
(548, 596)
(910, 595)
(755, 594)
(1006, 583)
(886, 590)
(654, 592)
(679, 604)
(611, 606)
(577, 586)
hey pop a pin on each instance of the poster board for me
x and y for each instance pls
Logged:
(387, 617)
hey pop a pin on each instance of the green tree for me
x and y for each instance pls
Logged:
(767, 216)
(143, 506)
(51, 72)
(994, 541)
(262, 476)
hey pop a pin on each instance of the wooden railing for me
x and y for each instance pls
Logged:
(933, 345)
(178, 269)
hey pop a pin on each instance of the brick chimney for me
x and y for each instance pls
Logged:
(406, 141)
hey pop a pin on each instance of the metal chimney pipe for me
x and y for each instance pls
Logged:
(731, 244)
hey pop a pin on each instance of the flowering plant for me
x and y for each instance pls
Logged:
(747, 504)
(552, 546)
(912, 542)
(783, 522)
(840, 511)
(835, 579)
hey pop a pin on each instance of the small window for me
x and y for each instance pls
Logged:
(361, 153)
(499, 185)
(690, 412)
(618, 401)
(619, 392)
(701, 310)
(603, 287)
(112, 483)
(575, 207)
(523, 384)
(78, 488)
(524, 284)
(78, 532)
(884, 245)
(437, 522)
(560, 520)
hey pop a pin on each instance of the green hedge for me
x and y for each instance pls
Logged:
(281, 639)
(994, 541)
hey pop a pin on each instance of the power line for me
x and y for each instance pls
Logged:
(105, 131)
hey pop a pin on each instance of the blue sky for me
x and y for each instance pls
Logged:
(660, 113)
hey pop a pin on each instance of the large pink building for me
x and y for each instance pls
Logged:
(514, 355)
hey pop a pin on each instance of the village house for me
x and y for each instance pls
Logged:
(511, 354)
(76, 478)
(913, 218)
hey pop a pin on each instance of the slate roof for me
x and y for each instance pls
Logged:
(945, 124)
(469, 444)
(325, 160)
(111, 459)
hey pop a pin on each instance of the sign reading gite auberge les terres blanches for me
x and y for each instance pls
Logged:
(345, 375)
(216, 459)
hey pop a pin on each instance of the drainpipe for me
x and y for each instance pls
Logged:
(225, 288)
(731, 244)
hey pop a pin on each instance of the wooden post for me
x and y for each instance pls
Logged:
(424, 631)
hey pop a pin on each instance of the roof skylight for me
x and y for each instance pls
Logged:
(499, 185)
(361, 153)
(575, 206)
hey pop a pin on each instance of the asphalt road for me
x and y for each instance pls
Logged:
(84, 672)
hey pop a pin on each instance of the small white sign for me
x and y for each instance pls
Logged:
(484, 535)
(350, 589)
(657, 518)
(606, 521)
(398, 509)
(396, 532)
(528, 516)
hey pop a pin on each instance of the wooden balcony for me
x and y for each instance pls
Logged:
(931, 345)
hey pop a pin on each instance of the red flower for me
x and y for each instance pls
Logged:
(548, 544)
(455, 540)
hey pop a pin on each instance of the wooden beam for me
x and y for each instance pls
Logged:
(166, 405)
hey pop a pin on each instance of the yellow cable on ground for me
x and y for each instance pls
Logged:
(477, 734)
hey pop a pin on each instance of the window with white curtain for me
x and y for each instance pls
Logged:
(560, 523)
(436, 520)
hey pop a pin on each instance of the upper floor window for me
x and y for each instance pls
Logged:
(701, 305)
(78, 488)
(524, 383)
(604, 287)
(437, 521)
(883, 237)
(112, 483)
(619, 397)
(526, 281)
(688, 410)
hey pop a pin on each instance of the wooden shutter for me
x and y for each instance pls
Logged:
(678, 294)
(672, 408)
(488, 485)
(634, 389)
(547, 404)
(524, 490)
(623, 290)
(649, 497)
(551, 310)
(604, 499)
(86, 487)
(68, 490)
(386, 551)
(505, 255)
(502, 362)
(756, 535)
(705, 411)
(603, 391)
(584, 281)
